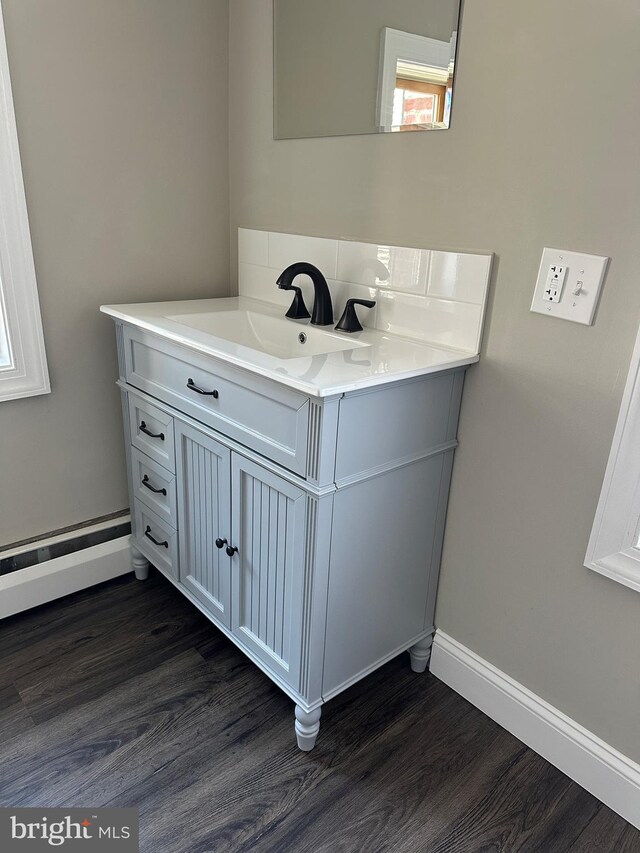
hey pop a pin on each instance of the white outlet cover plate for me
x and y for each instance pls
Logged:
(588, 269)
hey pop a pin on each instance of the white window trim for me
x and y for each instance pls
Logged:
(613, 547)
(27, 374)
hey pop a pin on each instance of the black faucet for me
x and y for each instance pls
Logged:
(322, 314)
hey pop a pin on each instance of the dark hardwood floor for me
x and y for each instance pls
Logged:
(125, 695)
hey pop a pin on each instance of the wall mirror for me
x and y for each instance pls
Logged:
(363, 66)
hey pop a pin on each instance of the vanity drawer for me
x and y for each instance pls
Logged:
(259, 413)
(152, 431)
(157, 540)
(154, 486)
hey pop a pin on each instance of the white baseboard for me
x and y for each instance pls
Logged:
(599, 768)
(60, 576)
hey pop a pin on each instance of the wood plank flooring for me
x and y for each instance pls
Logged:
(125, 695)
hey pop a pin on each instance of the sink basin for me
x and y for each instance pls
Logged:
(276, 336)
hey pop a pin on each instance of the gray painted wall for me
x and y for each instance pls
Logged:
(543, 150)
(121, 110)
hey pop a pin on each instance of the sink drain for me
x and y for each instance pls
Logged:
(302, 338)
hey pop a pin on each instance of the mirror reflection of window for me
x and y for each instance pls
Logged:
(422, 96)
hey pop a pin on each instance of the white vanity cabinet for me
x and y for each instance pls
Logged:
(308, 529)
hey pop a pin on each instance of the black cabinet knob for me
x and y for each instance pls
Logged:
(220, 543)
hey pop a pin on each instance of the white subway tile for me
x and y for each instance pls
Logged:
(436, 321)
(360, 263)
(378, 265)
(458, 276)
(408, 269)
(253, 247)
(286, 249)
(257, 282)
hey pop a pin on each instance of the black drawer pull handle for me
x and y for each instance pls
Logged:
(191, 385)
(231, 550)
(143, 428)
(147, 533)
(147, 484)
(220, 542)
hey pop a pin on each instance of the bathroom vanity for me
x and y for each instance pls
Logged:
(298, 501)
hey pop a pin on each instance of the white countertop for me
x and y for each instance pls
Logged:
(387, 358)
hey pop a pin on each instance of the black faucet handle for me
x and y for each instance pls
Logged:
(298, 310)
(349, 321)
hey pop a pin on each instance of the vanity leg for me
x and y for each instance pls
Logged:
(139, 563)
(420, 654)
(307, 727)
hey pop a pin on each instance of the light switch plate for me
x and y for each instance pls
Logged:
(568, 285)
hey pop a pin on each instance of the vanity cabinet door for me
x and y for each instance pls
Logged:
(203, 475)
(268, 520)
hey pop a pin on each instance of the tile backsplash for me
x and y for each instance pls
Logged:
(432, 296)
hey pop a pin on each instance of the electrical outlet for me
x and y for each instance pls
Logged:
(568, 285)
(555, 283)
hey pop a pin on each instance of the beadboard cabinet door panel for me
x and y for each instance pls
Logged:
(268, 518)
(203, 474)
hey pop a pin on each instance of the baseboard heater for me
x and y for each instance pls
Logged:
(36, 571)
